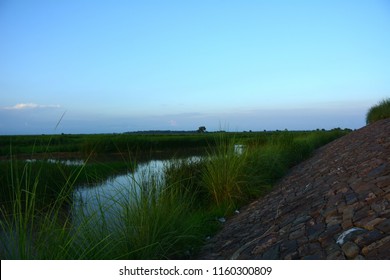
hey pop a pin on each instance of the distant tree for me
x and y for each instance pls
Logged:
(201, 129)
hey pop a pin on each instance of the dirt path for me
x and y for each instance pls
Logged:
(336, 205)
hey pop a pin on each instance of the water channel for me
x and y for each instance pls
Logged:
(103, 202)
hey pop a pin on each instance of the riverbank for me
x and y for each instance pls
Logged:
(334, 205)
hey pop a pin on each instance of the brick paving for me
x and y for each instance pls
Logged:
(335, 205)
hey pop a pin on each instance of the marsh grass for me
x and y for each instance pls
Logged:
(223, 174)
(150, 220)
(379, 111)
(156, 224)
(27, 229)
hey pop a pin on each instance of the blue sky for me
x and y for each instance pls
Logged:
(115, 66)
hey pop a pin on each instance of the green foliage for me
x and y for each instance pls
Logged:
(379, 111)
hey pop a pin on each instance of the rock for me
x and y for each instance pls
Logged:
(348, 212)
(346, 224)
(361, 187)
(292, 256)
(272, 253)
(383, 181)
(363, 213)
(350, 249)
(289, 246)
(297, 234)
(301, 219)
(313, 232)
(335, 254)
(335, 220)
(371, 224)
(368, 238)
(371, 250)
(378, 170)
(329, 212)
(329, 232)
(310, 249)
(370, 197)
(265, 243)
(380, 206)
(383, 251)
(313, 257)
(383, 226)
(359, 257)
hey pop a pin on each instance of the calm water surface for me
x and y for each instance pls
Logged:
(104, 200)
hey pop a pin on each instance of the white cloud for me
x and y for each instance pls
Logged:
(22, 106)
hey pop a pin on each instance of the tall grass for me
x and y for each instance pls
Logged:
(151, 220)
(27, 229)
(156, 224)
(223, 174)
(51, 178)
(379, 111)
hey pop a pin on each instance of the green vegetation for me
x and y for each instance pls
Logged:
(379, 111)
(52, 178)
(100, 144)
(224, 173)
(157, 218)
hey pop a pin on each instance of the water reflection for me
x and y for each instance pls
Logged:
(101, 203)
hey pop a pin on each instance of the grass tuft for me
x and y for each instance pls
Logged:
(223, 174)
(379, 111)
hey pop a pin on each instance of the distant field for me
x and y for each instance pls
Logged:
(85, 145)
(88, 144)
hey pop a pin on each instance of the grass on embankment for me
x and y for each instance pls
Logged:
(379, 111)
(158, 219)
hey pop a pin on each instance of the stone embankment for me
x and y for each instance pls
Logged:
(335, 205)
